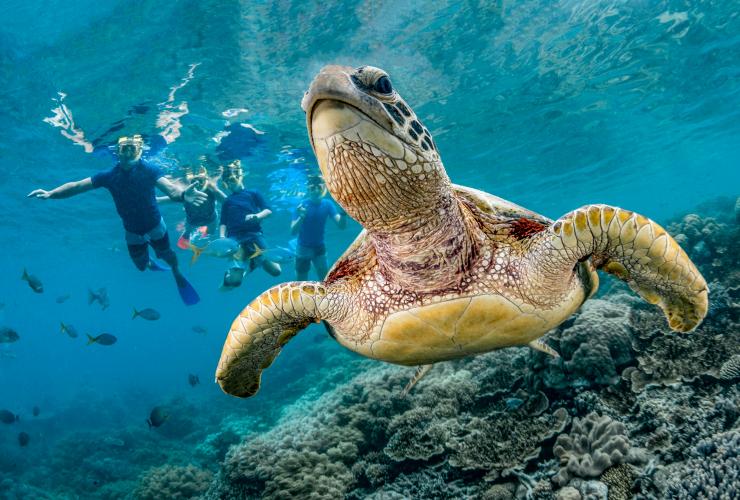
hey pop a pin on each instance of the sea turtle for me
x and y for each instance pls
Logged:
(442, 271)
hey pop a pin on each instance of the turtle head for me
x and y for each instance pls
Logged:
(379, 162)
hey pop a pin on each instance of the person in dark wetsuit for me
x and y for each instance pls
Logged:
(309, 222)
(200, 219)
(241, 216)
(131, 182)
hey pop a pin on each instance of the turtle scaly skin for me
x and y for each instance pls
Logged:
(442, 271)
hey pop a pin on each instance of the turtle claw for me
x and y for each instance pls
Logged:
(539, 345)
(421, 370)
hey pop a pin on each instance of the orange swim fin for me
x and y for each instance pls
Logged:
(183, 242)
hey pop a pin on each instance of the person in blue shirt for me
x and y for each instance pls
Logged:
(309, 223)
(131, 182)
(241, 216)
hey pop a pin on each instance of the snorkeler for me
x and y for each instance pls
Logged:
(201, 218)
(241, 215)
(131, 182)
(309, 222)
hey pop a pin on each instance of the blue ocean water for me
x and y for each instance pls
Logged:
(551, 105)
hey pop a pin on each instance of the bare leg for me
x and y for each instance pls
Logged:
(272, 268)
(302, 266)
(321, 266)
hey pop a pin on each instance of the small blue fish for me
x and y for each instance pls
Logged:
(102, 339)
(148, 314)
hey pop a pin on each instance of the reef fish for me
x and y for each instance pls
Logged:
(69, 330)
(63, 298)
(157, 417)
(148, 314)
(281, 255)
(23, 439)
(101, 297)
(8, 417)
(201, 330)
(193, 380)
(36, 411)
(102, 339)
(33, 282)
(8, 335)
(221, 247)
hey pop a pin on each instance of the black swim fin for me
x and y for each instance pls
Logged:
(187, 293)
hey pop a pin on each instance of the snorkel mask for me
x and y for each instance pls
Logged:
(315, 188)
(130, 148)
(234, 173)
(199, 179)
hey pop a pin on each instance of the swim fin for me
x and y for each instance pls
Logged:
(187, 292)
(183, 242)
(155, 265)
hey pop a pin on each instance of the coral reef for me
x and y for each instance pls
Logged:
(712, 472)
(499, 425)
(176, 482)
(500, 445)
(594, 346)
(629, 410)
(730, 369)
(664, 358)
(619, 480)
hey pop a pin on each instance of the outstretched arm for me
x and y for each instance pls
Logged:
(220, 195)
(178, 193)
(65, 190)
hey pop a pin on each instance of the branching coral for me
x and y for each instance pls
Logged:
(174, 482)
(594, 444)
(713, 472)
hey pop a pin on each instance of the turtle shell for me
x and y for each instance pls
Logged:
(458, 327)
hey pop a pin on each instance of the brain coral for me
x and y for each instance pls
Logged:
(730, 370)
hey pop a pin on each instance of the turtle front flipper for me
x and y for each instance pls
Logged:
(633, 248)
(261, 330)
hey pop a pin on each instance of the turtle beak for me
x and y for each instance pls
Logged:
(334, 83)
(326, 85)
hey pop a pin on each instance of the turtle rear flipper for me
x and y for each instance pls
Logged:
(637, 251)
(261, 330)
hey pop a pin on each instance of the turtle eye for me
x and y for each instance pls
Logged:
(383, 85)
